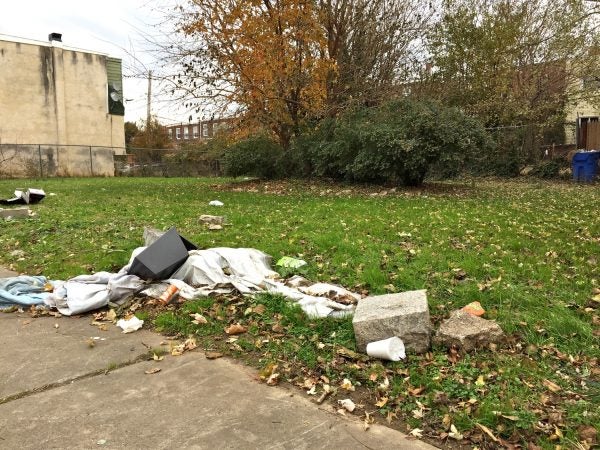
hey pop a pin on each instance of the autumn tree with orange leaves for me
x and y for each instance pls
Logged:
(268, 57)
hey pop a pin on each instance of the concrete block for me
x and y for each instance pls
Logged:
(14, 213)
(404, 315)
(468, 332)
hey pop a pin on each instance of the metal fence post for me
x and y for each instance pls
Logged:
(91, 162)
(40, 158)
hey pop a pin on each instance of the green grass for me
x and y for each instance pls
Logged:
(530, 253)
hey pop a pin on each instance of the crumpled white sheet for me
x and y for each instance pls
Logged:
(205, 272)
(88, 292)
(248, 270)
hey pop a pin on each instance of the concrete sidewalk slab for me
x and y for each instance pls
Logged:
(5, 273)
(45, 350)
(192, 403)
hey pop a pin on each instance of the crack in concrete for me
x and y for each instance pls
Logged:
(47, 387)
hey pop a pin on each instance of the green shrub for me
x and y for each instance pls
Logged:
(399, 141)
(547, 169)
(257, 156)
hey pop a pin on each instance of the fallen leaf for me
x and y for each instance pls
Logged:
(213, 355)
(277, 328)
(198, 319)
(551, 386)
(513, 418)
(259, 309)
(587, 433)
(480, 381)
(384, 386)
(153, 370)
(155, 357)
(373, 377)
(382, 402)
(236, 328)
(454, 434)
(446, 421)
(368, 421)
(190, 344)
(347, 384)
(416, 391)
(417, 432)
(487, 431)
(273, 379)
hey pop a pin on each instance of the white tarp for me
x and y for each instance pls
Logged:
(205, 272)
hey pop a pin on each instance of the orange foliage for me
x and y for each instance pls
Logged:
(268, 56)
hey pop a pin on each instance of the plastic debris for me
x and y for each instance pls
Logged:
(391, 349)
(130, 325)
(291, 263)
(347, 404)
(215, 203)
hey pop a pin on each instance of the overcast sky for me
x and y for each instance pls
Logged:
(107, 26)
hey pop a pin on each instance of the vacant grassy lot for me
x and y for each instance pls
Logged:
(528, 252)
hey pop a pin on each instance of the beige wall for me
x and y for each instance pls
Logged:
(51, 95)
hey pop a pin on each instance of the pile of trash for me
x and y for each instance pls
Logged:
(171, 265)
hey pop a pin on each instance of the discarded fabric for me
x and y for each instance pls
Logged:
(391, 349)
(89, 292)
(23, 290)
(130, 325)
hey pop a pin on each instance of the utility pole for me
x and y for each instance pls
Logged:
(148, 110)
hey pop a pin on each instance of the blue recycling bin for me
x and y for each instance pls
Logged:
(585, 165)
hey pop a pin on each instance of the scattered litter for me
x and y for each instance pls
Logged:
(101, 442)
(391, 349)
(130, 325)
(153, 370)
(169, 294)
(215, 203)
(28, 197)
(213, 355)
(162, 258)
(291, 263)
(474, 308)
(347, 404)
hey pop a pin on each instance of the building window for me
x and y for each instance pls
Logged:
(170, 133)
(186, 132)
(195, 131)
(177, 133)
(204, 130)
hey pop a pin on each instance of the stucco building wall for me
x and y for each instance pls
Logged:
(55, 96)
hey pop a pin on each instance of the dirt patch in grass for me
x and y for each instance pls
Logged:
(324, 188)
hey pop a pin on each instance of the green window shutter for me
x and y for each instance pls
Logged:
(114, 77)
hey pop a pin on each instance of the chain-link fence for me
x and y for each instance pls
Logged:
(41, 160)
